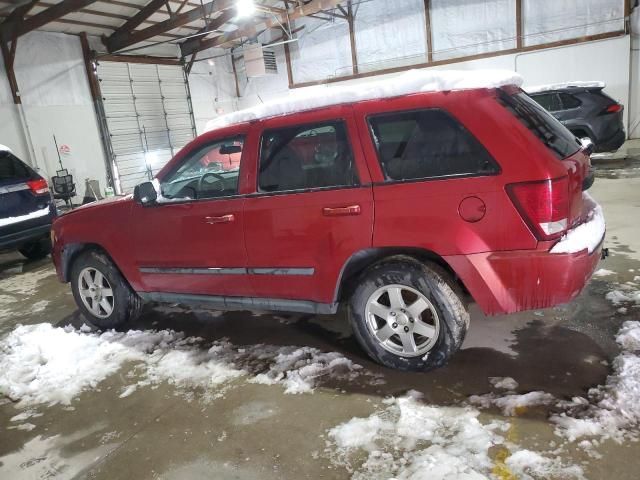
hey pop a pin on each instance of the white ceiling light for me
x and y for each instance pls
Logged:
(245, 8)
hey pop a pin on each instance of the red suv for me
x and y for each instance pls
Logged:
(398, 207)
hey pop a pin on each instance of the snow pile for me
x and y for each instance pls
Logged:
(560, 86)
(603, 272)
(44, 364)
(4, 148)
(618, 297)
(614, 407)
(413, 81)
(410, 440)
(503, 383)
(23, 218)
(299, 368)
(513, 404)
(587, 235)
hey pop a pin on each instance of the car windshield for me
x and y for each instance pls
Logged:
(540, 122)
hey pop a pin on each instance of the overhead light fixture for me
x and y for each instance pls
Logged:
(211, 62)
(246, 8)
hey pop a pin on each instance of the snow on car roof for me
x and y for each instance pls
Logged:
(562, 85)
(413, 81)
(4, 148)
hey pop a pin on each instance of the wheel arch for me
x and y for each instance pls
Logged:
(72, 251)
(365, 259)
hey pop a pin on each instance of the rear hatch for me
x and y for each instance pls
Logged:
(25, 201)
(561, 143)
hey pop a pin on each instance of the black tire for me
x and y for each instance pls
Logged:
(36, 250)
(436, 285)
(126, 303)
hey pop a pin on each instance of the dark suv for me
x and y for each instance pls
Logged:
(26, 208)
(586, 111)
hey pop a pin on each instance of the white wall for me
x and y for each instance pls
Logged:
(56, 100)
(604, 60)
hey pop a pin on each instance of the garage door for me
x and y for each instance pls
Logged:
(148, 114)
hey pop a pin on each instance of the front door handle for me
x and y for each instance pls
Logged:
(222, 219)
(341, 211)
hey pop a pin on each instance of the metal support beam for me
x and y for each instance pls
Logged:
(8, 67)
(96, 96)
(427, 32)
(191, 44)
(118, 43)
(519, 34)
(235, 74)
(147, 59)
(254, 29)
(352, 36)
(130, 25)
(18, 28)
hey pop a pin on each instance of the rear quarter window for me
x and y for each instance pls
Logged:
(427, 144)
(12, 169)
(541, 123)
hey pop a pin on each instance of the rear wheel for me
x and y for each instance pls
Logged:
(36, 250)
(101, 292)
(408, 315)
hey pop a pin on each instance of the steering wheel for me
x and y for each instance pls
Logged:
(211, 178)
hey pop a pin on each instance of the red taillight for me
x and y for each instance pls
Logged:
(613, 108)
(543, 205)
(38, 186)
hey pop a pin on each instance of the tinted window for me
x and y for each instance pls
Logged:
(569, 101)
(541, 123)
(427, 144)
(208, 172)
(11, 168)
(548, 101)
(306, 156)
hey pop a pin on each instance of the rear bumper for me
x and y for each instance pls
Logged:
(508, 282)
(17, 239)
(611, 144)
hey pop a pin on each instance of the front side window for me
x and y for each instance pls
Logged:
(306, 157)
(427, 144)
(210, 171)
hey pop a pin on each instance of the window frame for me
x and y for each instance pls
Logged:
(189, 155)
(319, 124)
(389, 181)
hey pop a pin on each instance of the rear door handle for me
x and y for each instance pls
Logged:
(341, 211)
(222, 219)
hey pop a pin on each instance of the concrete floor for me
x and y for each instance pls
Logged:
(258, 432)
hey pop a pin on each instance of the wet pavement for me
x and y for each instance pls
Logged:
(256, 431)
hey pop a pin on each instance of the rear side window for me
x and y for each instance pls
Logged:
(569, 101)
(541, 123)
(304, 157)
(426, 144)
(549, 101)
(11, 168)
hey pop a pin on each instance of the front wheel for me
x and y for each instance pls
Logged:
(408, 315)
(101, 292)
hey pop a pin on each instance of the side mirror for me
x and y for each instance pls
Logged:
(230, 149)
(145, 194)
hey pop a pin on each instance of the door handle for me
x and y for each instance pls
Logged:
(222, 219)
(341, 211)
